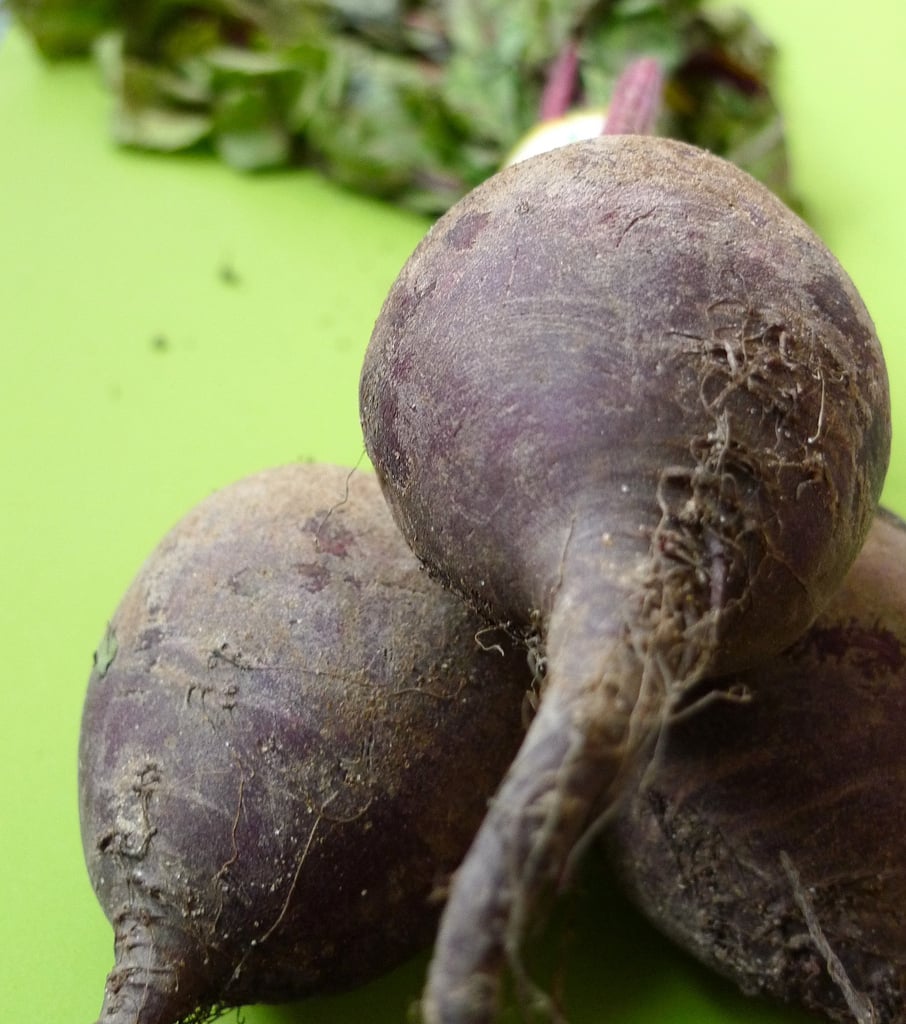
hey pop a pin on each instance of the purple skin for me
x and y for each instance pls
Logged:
(626, 402)
(288, 742)
(768, 838)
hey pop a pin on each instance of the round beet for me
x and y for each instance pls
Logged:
(289, 739)
(627, 403)
(769, 837)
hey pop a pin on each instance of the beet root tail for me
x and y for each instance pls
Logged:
(566, 773)
(153, 980)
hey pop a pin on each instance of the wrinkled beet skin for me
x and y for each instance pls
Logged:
(544, 361)
(814, 767)
(623, 399)
(291, 747)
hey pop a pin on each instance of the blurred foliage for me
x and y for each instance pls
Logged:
(414, 101)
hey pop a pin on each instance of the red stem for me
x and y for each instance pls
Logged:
(636, 101)
(634, 106)
(562, 82)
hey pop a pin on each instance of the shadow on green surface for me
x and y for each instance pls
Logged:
(598, 958)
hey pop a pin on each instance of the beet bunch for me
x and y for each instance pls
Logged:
(632, 417)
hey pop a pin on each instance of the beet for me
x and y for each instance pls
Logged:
(289, 739)
(628, 404)
(769, 837)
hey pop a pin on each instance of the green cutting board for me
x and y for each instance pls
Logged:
(167, 326)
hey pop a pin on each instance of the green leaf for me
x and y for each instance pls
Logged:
(167, 129)
(248, 130)
(64, 28)
(248, 63)
(106, 652)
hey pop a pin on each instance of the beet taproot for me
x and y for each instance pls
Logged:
(768, 837)
(289, 738)
(628, 404)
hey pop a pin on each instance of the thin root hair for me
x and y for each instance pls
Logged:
(497, 648)
(859, 1004)
(342, 501)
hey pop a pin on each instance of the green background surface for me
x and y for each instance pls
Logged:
(168, 326)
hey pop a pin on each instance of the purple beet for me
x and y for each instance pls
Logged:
(289, 739)
(769, 836)
(628, 405)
